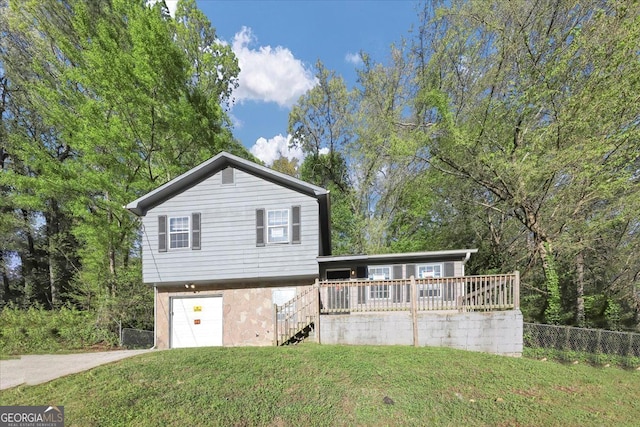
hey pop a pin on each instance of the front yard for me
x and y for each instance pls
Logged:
(338, 385)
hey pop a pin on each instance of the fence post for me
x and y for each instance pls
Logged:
(516, 290)
(275, 325)
(414, 310)
(317, 325)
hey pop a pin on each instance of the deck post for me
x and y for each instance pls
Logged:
(275, 325)
(317, 321)
(516, 290)
(414, 310)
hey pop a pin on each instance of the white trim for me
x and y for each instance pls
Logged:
(403, 258)
(282, 227)
(425, 289)
(430, 264)
(377, 289)
(188, 232)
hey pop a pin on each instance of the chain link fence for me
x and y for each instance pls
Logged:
(136, 338)
(570, 343)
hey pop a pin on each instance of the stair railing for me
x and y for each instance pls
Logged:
(294, 319)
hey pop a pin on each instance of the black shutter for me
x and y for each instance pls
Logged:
(361, 273)
(259, 227)
(295, 224)
(195, 231)
(449, 290)
(162, 233)
(227, 175)
(362, 294)
(411, 271)
(449, 269)
(397, 289)
(450, 286)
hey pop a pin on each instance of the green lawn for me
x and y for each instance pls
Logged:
(311, 385)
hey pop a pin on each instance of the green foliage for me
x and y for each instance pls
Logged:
(339, 386)
(37, 330)
(553, 312)
(528, 115)
(613, 315)
(102, 102)
(594, 359)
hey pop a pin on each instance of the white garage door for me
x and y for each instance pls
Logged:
(196, 322)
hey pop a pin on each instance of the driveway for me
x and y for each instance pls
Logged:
(40, 368)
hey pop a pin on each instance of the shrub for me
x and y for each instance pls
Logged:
(37, 330)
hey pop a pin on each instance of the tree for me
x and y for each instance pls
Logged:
(533, 104)
(105, 101)
(286, 165)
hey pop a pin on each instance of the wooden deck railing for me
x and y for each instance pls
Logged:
(467, 293)
(297, 316)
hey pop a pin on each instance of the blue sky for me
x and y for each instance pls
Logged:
(277, 44)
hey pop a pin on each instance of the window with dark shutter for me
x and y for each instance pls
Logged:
(259, 227)
(162, 233)
(195, 231)
(227, 176)
(295, 224)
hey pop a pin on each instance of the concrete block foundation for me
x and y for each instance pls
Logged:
(498, 332)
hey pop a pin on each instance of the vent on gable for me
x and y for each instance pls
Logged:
(227, 176)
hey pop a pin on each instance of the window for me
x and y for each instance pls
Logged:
(379, 291)
(430, 290)
(429, 270)
(278, 226)
(179, 232)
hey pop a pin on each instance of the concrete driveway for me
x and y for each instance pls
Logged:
(38, 369)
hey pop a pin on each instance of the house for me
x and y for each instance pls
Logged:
(239, 254)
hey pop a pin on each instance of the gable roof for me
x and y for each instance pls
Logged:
(209, 168)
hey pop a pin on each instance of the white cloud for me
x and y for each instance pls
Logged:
(236, 121)
(269, 74)
(269, 150)
(353, 58)
(172, 5)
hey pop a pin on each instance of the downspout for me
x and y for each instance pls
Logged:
(464, 261)
(155, 317)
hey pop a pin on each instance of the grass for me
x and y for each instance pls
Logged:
(314, 385)
(595, 359)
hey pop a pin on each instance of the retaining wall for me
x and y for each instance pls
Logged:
(498, 332)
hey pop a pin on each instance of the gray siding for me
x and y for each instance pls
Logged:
(228, 238)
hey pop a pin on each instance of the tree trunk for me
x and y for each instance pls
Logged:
(53, 229)
(52, 277)
(580, 317)
(111, 253)
(4, 292)
(29, 264)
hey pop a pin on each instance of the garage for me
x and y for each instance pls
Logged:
(196, 321)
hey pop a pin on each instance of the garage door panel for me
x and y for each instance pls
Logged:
(196, 322)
